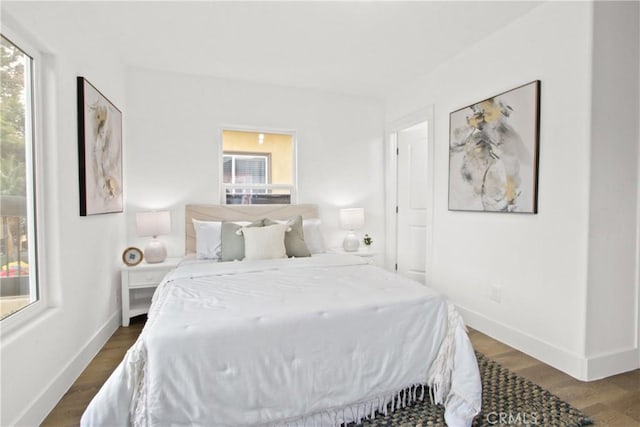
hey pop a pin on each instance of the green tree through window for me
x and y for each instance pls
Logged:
(17, 285)
(12, 126)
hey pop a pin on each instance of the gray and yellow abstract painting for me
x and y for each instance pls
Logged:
(100, 152)
(493, 151)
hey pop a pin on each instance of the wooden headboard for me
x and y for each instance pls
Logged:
(239, 213)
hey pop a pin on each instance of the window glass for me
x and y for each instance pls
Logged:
(18, 286)
(227, 169)
(246, 169)
(257, 167)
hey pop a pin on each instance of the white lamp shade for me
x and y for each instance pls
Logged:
(153, 223)
(352, 219)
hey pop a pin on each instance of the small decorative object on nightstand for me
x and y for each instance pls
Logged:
(138, 284)
(132, 256)
(367, 240)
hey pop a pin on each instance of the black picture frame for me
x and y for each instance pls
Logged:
(99, 152)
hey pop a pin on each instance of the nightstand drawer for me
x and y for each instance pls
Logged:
(146, 278)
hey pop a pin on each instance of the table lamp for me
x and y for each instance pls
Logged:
(154, 224)
(351, 219)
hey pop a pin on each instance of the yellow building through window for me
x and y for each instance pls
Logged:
(258, 167)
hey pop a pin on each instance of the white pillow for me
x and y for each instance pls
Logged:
(264, 242)
(207, 239)
(311, 228)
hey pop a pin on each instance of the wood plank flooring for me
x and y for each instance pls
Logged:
(70, 408)
(613, 401)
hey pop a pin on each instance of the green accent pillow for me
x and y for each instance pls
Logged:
(293, 238)
(231, 241)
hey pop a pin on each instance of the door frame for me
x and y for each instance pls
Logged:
(391, 184)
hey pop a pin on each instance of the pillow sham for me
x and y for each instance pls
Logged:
(207, 239)
(313, 235)
(294, 238)
(232, 241)
(264, 242)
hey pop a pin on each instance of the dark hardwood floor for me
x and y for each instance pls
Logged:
(614, 401)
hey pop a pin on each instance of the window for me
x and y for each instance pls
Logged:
(257, 167)
(18, 278)
(245, 169)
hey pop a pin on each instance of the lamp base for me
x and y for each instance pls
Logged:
(350, 242)
(155, 252)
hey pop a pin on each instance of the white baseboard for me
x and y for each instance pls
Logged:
(580, 367)
(43, 403)
(605, 365)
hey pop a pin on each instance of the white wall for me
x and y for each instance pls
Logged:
(612, 286)
(173, 136)
(541, 262)
(80, 257)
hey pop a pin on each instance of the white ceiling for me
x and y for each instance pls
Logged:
(365, 48)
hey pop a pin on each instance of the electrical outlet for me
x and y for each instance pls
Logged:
(496, 293)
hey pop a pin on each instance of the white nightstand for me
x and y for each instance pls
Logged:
(138, 284)
(362, 251)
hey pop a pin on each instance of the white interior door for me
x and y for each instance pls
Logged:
(412, 200)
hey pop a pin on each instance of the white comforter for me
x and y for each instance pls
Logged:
(315, 341)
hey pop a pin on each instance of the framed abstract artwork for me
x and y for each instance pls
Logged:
(493, 153)
(99, 152)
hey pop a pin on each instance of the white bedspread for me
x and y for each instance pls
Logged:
(318, 340)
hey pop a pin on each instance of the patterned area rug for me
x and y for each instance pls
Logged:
(507, 399)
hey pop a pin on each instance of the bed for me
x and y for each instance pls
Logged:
(320, 340)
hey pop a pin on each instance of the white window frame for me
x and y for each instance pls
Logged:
(35, 185)
(235, 156)
(293, 187)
